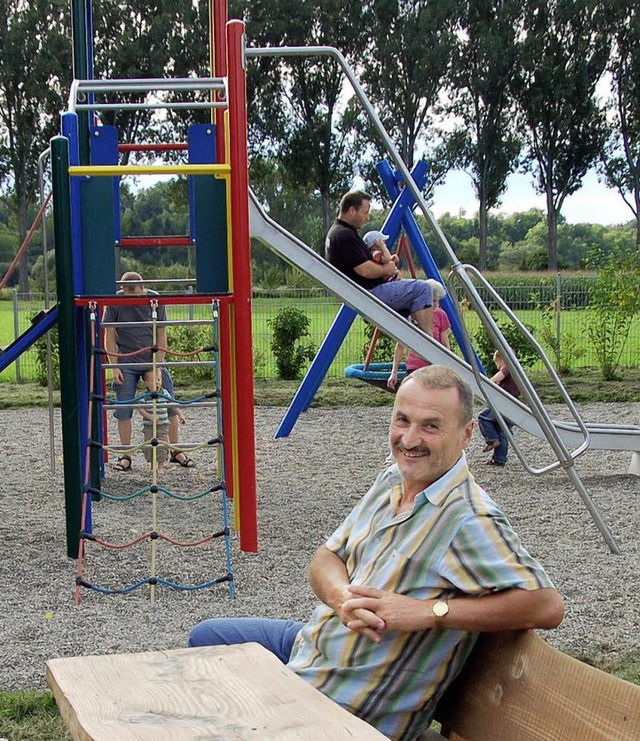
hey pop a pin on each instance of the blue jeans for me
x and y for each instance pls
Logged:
(126, 390)
(406, 295)
(491, 430)
(276, 636)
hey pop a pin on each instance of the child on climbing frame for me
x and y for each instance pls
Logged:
(155, 421)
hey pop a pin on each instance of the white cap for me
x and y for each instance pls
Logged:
(373, 236)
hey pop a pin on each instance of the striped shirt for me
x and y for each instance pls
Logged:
(454, 542)
(159, 410)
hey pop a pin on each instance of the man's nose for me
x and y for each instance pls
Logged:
(411, 437)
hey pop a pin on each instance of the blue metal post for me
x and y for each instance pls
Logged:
(317, 370)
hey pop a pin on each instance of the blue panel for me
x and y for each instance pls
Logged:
(202, 151)
(104, 151)
(70, 131)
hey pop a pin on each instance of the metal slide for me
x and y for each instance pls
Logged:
(42, 324)
(294, 251)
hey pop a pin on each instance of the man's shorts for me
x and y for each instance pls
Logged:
(127, 390)
(408, 294)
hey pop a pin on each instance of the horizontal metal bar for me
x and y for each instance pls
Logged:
(167, 323)
(120, 170)
(148, 84)
(164, 364)
(139, 405)
(147, 106)
(182, 446)
(153, 282)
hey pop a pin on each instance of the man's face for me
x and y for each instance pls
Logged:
(133, 289)
(426, 435)
(358, 217)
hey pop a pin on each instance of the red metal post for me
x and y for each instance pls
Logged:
(226, 399)
(237, 91)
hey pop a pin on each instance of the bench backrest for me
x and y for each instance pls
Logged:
(515, 687)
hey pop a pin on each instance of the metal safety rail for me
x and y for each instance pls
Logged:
(80, 89)
(300, 255)
(430, 348)
(530, 395)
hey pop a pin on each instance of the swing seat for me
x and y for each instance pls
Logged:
(376, 374)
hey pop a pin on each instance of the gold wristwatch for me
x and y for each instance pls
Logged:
(440, 609)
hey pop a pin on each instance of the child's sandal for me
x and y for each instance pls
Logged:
(185, 461)
(123, 463)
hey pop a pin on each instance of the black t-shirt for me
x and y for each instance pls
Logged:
(345, 250)
(132, 337)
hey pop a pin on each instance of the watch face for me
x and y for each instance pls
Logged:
(440, 609)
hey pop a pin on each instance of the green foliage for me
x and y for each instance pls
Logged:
(385, 346)
(289, 327)
(485, 348)
(41, 359)
(565, 346)
(615, 301)
(186, 339)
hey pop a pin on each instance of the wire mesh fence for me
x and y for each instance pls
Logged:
(557, 315)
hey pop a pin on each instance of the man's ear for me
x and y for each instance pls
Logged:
(468, 431)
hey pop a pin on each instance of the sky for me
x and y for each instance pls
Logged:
(592, 204)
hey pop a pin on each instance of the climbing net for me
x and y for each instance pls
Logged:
(156, 403)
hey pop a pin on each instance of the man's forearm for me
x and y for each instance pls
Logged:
(161, 342)
(512, 609)
(110, 345)
(328, 577)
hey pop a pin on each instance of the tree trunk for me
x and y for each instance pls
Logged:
(23, 264)
(552, 239)
(328, 215)
(483, 226)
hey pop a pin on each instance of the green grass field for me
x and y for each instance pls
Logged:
(321, 313)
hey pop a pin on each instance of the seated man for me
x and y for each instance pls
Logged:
(424, 563)
(345, 250)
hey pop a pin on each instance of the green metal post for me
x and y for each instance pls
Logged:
(69, 381)
(81, 70)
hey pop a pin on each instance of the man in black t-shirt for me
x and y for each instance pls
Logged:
(345, 250)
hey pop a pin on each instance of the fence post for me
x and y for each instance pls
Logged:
(16, 330)
(558, 310)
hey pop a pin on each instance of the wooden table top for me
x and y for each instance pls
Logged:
(216, 692)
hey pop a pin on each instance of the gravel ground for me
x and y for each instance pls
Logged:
(306, 485)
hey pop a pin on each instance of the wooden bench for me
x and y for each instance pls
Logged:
(515, 687)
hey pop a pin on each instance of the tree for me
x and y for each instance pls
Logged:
(563, 52)
(484, 142)
(298, 114)
(36, 59)
(164, 38)
(408, 56)
(620, 162)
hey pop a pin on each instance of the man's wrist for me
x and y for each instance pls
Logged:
(440, 611)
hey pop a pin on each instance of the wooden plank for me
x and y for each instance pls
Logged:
(516, 687)
(217, 692)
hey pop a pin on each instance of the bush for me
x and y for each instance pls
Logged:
(566, 347)
(385, 346)
(525, 352)
(40, 348)
(187, 338)
(615, 301)
(289, 326)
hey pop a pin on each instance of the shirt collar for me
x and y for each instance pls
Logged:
(435, 493)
